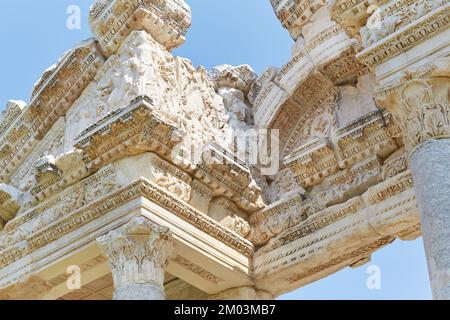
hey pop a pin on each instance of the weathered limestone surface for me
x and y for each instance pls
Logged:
(128, 162)
(406, 44)
(167, 21)
(242, 293)
(430, 163)
(137, 254)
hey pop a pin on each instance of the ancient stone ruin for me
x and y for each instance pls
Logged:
(159, 180)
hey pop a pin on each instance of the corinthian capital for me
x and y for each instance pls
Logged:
(137, 254)
(420, 103)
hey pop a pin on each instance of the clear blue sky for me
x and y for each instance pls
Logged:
(34, 36)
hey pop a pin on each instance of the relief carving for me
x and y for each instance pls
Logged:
(421, 104)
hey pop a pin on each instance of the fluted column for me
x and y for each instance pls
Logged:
(422, 107)
(137, 254)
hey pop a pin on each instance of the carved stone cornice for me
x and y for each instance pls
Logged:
(404, 34)
(316, 221)
(313, 162)
(344, 67)
(280, 216)
(338, 236)
(53, 175)
(52, 96)
(127, 131)
(198, 270)
(113, 20)
(138, 128)
(293, 218)
(137, 253)
(352, 14)
(293, 14)
(9, 202)
(390, 188)
(370, 135)
(239, 77)
(12, 111)
(55, 93)
(420, 103)
(229, 176)
(80, 209)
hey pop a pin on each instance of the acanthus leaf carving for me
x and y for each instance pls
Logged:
(421, 104)
(138, 253)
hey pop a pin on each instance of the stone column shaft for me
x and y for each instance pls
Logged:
(422, 107)
(430, 164)
(137, 254)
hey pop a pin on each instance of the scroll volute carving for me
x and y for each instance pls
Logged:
(421, 104)
(137, 252)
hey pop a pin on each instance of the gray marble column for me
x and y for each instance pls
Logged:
(430, 165)
(421, 106)
(137, 254)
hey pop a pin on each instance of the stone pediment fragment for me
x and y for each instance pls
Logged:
(294, 14)
(9, 202)
(53, 95)
(352, 14)
(402, 30)
(312, 162)
(239, 77)
(131, 130)
(113, 20)
(11, 112)
(229, 176)
(373, 134)
(280, 216)
(120, 129)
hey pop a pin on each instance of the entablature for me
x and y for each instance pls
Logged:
(402, 27)
(52, 96)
